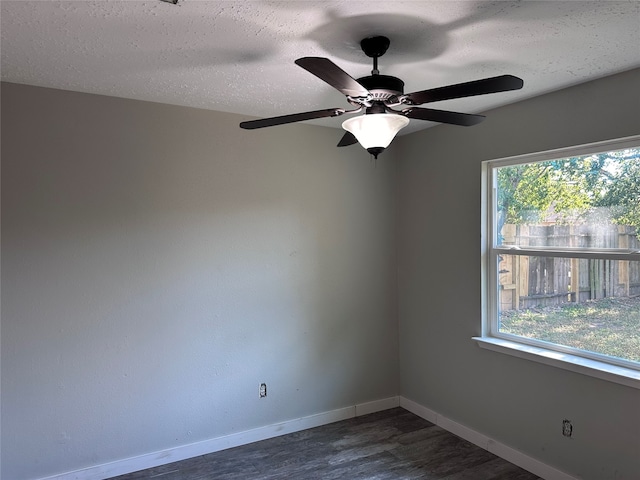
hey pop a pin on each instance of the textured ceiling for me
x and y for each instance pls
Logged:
(239, 56)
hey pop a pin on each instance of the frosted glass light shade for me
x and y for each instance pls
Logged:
(375, 130)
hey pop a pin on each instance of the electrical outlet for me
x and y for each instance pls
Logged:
(263, 390)
(567, 428)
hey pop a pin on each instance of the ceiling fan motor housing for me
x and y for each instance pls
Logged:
(382, 87)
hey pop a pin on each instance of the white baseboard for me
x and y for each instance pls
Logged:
(155, 459)
(182, 452)
(377, 406)
(501, 450)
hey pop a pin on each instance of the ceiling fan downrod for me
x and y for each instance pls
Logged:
(375, 47)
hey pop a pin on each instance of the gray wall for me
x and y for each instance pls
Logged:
(158, 263)
(515, 401)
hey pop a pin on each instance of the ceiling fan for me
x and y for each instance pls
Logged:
(378, 94)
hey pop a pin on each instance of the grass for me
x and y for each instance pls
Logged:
(610, 326)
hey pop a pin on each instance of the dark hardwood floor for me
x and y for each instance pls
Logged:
(390, 445)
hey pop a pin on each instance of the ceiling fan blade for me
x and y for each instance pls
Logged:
(347, 139)
(296, 117)
(502, 83)
(326, 70)
(442, 116)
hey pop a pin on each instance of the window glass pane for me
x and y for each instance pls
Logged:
(589, 201)
(589, 304)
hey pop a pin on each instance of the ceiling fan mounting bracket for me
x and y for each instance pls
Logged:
(375, 46)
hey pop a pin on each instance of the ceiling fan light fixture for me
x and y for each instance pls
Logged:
(375, 131)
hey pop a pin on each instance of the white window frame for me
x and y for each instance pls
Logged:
(588, 363)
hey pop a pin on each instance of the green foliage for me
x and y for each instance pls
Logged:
(622, 196)
(595, 188)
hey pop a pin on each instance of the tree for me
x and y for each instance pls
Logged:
(622, 193)
(599, 188)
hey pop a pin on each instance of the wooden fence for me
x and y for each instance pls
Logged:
(527, 282)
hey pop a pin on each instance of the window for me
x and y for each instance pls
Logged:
(561, 258)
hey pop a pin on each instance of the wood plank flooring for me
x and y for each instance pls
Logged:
(390, 445)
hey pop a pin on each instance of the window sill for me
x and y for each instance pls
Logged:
(573, 363)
